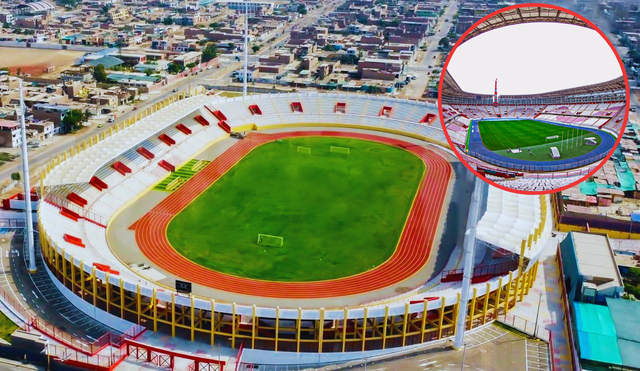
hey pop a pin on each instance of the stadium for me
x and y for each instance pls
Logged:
(555, 137)
(195, 219)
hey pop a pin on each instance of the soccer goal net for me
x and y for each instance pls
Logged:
(344, 150)
(271, 241)
(304, 149)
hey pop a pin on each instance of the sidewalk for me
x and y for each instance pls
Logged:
(545, 290)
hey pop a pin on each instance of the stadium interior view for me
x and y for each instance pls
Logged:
(561, 119)
(554, 137)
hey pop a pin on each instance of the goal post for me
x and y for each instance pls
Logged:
(304, 149)
(343, 150)
(271, 241)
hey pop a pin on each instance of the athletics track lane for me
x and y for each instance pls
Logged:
(412, 253)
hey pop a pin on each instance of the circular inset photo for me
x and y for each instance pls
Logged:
(533, 98)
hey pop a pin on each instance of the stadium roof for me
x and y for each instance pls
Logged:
(525, 15)
(596, 333)
(450, 88)
(609, 334)
(40, 6)
(107, 61)
(86, 163)
(595, 259)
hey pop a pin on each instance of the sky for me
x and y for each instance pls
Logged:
(533, 58)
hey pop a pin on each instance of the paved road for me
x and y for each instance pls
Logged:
(417, 87)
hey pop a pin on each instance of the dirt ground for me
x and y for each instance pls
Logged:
(35, 61)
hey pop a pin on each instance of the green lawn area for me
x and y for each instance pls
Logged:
(7, 327)
(499, 136)
(339, 214)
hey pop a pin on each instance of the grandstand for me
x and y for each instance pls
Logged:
(86, 188)
(599, 109)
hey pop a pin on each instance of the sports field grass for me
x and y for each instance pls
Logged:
(338, 214)
(499, 136)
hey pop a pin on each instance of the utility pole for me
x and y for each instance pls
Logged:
(246, 47)
(27, 186)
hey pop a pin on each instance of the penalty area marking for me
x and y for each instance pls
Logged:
(271, 241)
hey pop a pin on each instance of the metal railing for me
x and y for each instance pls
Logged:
(525, 326)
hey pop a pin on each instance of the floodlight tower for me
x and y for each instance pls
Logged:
(495, 94)
(246, 47)
(27, 187)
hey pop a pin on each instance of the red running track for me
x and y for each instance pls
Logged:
(412, 252)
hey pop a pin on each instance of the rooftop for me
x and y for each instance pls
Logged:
(595, 258)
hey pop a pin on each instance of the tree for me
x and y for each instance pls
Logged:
(232, 46)
(209, 53)
(86, 115)
(214, 25)
(444, 42)
(149, 72)
(99, 74)
(255, 48)
(167, 21)
(395, 23)
(191, 65)
(302, 9)
(72, 121)
(15, 176)
(175, 68)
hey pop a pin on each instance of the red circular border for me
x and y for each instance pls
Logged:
(412, 253)
(459, 42)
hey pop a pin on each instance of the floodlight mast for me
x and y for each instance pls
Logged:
(27, 186)
(468, 252)
(246, 47)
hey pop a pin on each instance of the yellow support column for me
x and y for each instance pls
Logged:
(155, 311)
(520, 277)
(456, 309)
(508, 296)
(107, 285)
(173, 315)
(485, 304)
(472, 310)
(193, 319)
(344, 330)
(121, 297)
(277, 327)
(386, 322)
(364, 327)
(404, 324)
(82, 272)
(233, 328)
(496, 301)
(298, 325)
(139, 303)
(321, 329)
(95, 286)
(424, 320)
(213, 324)
(64, 268)
(73, 274)
(253, 327)
(441, 317)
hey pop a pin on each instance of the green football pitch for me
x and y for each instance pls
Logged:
(337, 214)
(499, 136)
